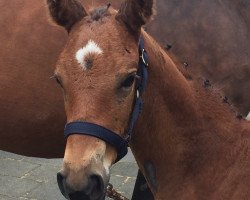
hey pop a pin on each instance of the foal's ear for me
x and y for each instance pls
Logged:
(135, 13)
(66, 12)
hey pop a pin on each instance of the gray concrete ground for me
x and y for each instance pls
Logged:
(30, 178)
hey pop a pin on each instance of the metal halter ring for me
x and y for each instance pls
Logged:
(142, 57)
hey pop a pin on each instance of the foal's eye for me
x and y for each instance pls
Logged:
(58, 80)
(128, 82)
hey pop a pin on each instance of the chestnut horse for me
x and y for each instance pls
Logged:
(32, 114)
(187, 142)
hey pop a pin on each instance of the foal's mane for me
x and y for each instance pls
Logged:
(204, 83)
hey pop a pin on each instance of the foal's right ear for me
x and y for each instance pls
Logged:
(135, 13)
(66, 12)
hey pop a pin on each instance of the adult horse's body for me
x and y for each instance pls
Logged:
(32, 114)
(212, 37)
(187, 142)
(31, 106)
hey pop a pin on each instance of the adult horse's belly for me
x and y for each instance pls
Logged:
(32, 114)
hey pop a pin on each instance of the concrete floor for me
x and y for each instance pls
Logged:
(35, 178)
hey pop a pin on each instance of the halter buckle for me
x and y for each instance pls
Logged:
(137, 93)
(143, 58)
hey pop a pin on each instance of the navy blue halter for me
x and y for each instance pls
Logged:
(120, 143)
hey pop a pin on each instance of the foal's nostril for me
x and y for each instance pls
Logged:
(60, 182)
(96, 186)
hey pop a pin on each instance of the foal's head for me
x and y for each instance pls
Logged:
(96, 71)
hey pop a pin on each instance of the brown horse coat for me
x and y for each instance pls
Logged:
(188, 142)
(32, 114)
(212, 37)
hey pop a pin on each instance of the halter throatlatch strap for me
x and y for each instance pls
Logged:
(94, 130)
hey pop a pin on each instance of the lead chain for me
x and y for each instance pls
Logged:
(113, 194)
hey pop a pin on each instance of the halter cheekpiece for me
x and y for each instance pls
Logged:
(95, 130)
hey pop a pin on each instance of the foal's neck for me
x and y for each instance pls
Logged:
(185, 140)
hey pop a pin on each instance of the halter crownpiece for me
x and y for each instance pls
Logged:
(95, 130)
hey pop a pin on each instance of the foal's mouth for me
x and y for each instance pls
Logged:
(82, 196)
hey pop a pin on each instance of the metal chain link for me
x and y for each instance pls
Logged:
(113, 194)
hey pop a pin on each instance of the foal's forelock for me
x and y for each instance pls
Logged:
(100, 12)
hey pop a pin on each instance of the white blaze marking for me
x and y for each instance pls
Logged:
(248, 116)
(90, 48)
(106, 165)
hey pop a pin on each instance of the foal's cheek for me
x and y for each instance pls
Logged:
(67, 110)
(123, 96)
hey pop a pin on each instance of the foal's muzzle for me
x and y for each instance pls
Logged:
(95, 189)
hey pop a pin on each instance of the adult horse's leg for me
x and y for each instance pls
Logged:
(141, 190)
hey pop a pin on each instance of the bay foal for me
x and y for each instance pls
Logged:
(187, 142)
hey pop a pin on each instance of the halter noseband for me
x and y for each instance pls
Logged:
(120, 143)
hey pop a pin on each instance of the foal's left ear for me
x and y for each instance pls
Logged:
(66, 12)
(136, 13)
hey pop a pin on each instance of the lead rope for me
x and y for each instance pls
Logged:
(113, 194)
